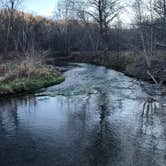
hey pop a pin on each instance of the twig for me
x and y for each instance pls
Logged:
(155, 81)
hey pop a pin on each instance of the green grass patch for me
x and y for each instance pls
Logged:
(24, 85)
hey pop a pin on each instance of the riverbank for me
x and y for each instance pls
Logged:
(110, 117)
(26, 75)
(129, 63)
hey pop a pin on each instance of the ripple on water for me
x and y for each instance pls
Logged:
(95, 117)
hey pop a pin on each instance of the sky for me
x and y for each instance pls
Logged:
(46, 7)
(40, 7)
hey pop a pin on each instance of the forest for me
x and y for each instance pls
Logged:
(88, 31)
(83, 83)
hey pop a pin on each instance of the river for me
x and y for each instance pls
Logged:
(96, 117)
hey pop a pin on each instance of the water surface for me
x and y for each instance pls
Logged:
(96, 117)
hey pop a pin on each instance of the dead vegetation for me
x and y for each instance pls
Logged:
(131, 63)
(27, 73)
(31, 64)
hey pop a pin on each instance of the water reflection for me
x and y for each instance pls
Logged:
(104, 146)
(151, 133)
(8, 116)
(117, 125)
(152, 113)
(9, 113)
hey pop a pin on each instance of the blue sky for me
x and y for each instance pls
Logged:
(46, 8)
(40, 7)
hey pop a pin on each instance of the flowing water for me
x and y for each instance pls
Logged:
(96, 117)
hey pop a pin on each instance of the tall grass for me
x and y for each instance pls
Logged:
(27, 66)
(26, 74)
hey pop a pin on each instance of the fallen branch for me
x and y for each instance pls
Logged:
(155, 81)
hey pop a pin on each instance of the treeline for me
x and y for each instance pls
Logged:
(85, 25)
(24, 31)
(68, 31)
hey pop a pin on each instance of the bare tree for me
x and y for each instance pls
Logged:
(160, 8)
(64, 15)
(11, 7)
(141, 20)
(102, 12)
(145, 26)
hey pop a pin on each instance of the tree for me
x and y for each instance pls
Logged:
(142, 24)
(10, 8)
(64, 16)
(160, 9)
(101, 12)
(145, 24)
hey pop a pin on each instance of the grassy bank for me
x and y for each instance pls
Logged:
(24, 85)
(130, 63)
(26, 75)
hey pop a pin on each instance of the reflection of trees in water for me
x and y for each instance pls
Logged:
(151, 129)
(94, 139)
(8, 115)
(146, 117)
(77, 127)
(149, 136)
(152, 109)
(104, 145)
(78, 116)
(9, 112)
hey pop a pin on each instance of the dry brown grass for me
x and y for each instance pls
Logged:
(31, 64)
(115, 60)
(27, 74)
(129, 62)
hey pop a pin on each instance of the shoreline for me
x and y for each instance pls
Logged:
(130, 64)
(27, 75)
(24, 86)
